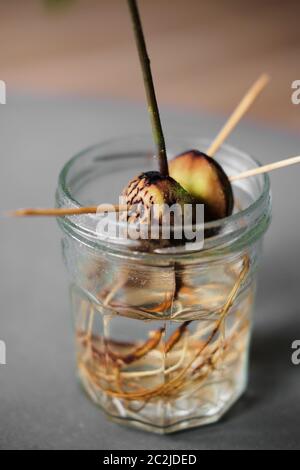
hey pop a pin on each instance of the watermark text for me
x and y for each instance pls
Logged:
(296, 94)
(155, 222)
(2, 353)
(296, 354)
(2, 92)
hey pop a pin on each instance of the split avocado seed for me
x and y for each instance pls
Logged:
(206, 181)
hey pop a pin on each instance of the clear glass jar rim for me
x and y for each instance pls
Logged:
(70, 224)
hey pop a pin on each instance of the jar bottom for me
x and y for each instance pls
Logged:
(189, 414)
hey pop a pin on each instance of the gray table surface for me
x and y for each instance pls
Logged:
(41, 403)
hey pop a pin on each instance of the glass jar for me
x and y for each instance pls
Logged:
(162, 337)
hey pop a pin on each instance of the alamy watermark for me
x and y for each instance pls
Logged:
(2, 92)
(2, 353)
(296, 94)
(2, 343)
(155, 222)
(295, 358)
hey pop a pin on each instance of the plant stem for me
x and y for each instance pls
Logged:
(149, 88)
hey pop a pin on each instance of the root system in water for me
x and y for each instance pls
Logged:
(166, 367)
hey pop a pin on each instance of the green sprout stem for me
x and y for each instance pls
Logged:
(149, 88)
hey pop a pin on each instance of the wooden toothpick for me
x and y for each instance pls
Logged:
(266, 168)
(238, 113)
(61, 212)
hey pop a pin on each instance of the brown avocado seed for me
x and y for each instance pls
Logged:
(152, 188)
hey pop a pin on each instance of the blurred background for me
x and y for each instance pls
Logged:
(204, 53)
